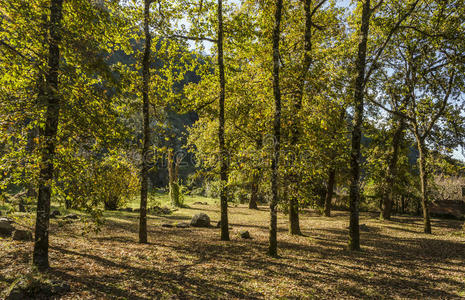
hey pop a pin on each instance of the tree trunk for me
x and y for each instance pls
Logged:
(222, 149)
(273, 246)
(254, 192)
(173, 170)
(52, 114)
(392, 171)
(402, 206)
(354, 198)
(294, 224)
(329, 193)
(146, 129)
(170, 168)
(424, 182)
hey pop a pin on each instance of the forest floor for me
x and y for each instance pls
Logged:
(398, 261)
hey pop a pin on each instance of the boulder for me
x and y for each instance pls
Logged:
(71, 217)
(6, 229)
(200, 220)
(22, 235)
(245, 234)
(182, 225)
(157, 210)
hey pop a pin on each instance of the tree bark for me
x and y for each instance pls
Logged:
(329, 193)
(146, 126)
(52, 114)
(354, 198)
(392, 171)
(273, 241)
(222, 148)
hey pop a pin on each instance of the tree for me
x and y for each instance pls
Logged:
(397, 137)
(40, 257)
(309, 11)
(273, 246)
(425, 88)
(354, 234)
(362, 78)
(146, 125)
(222, 149)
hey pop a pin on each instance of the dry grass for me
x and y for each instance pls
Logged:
(397, 261)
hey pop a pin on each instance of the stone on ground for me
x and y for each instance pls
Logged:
(245, 234)
(22, 235)
(71, 217)
(6, 229)
(200, 220)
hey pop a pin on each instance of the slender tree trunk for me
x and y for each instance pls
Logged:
(329, 193)
(392, 171)
(255, 179)
(354, 197)
(146, 126)
(170, 168)
(424, 182)
(222, 154)
(273, 246)
(402, 202)
(52, 114)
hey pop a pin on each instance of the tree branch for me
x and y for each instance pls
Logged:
(193, 38)
(388, 38)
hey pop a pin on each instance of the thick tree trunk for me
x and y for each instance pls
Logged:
(146, 126)
(294, 224)
(254, 192)
(424, 182)
(222, 149)
(329, 193)
(392, 171)
(354, 197)
(273, 246)
(52, 114)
